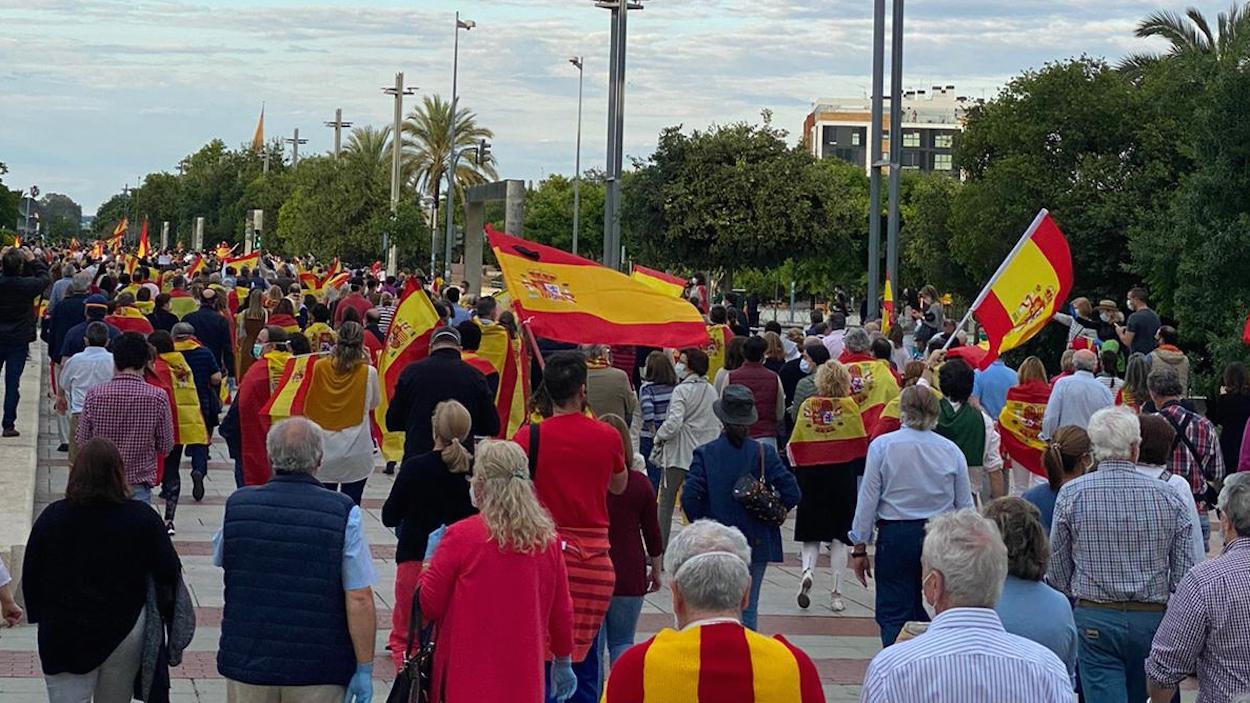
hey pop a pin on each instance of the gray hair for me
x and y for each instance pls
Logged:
(715, 582)
(970, 553)
(857, 340)
(1084, 360)
(294, 446)
(918, 408)
(1235, 502)
(68, 270)
(81, 282)
(1164, 382)
(1112, 434)
(183, 329)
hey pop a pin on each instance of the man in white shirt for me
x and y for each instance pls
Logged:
(1157, 440)
(80, 373)
(835, 340)
(965, 655)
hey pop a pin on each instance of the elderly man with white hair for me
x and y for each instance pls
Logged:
(1204, 631)
(966, 655)
(910, 476)
(711, 657)
(1075, 398)
(1120, 544)
(299, 622)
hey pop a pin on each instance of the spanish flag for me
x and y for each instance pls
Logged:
(311, 387)
(666, 283)
(183, 304)
(258, 138)
(720, 662)
(1020, 425)
(335, 268)
(17, 241)
(407, 340)
(567, 298)
(174, 375)
(119, 233)
(249, 260)
(827, 431)
(873, 386)
(1027, 290)
(503, 352)
(718, 336)
(196, 266)
(887, 307)
(144, 248)
(223, 250)
(97, 250)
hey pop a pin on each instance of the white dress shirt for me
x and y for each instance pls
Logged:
(1181, 486)
(82, 372)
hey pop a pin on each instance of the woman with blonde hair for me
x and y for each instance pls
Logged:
(498, 592)
(351, 384)
(1066, 457)
(431, 490)
(827, 450)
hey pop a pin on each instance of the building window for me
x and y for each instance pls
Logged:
(942, 162)
(943, 141)
(855, 138)
(911, 139)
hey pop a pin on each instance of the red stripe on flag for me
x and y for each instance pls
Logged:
(825, 453)
(1054, 247)
(580, 327)
(724, 658)
(1021, 453)
(301, 391)
(627, 681)
(810, 687)
(997, 323)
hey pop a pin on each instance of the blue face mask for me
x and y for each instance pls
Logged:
(257, 350)
(805, 366)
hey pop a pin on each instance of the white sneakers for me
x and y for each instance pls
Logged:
(804, 587)
(837, 605)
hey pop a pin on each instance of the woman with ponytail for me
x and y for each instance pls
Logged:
(1066, 457)
(430, 491)
(498, 592)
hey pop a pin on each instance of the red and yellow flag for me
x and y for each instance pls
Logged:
(827, 431)
(97, 250)
(144, 248)
(249, 260)
(311, 387)
(258, 138)
(407, 340)
(718, 336)
(175, 375)
(873, 386)
(223, 250)
(119, 233)
(196, 266)
(1020, 425)
(887, 307)
(1027, 290)
(570, 299)
(666, 283)
(503, 352)
(17, 240)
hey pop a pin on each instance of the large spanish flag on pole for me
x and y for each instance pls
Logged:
(311, 387)
(827, 431)
(119, 233)
(407, 340)
(1020, 425)
(1029, 287)
(144, 248)
(666, 283)
(249, 260)
(570, 299)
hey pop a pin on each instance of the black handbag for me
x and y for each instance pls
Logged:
(760, 499)
(415, 681)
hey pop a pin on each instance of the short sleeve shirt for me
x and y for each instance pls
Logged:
(1144, 324)
(577, 457)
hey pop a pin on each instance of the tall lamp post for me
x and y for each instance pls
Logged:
(580, 63)
(896, 147)
(33, 193)
(452, 156)
(616, 128)
(874, 156)
(429, 201)
(399, 91)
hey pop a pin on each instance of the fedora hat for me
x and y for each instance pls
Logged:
(736, 406)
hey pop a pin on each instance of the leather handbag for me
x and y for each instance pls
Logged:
(415, 681)
(760, 499)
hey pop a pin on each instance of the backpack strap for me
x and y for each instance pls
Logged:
(533, 457)
(1183, 438)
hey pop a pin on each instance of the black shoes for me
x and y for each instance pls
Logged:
(197, 486)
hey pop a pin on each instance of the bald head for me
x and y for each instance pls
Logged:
(1084, 360)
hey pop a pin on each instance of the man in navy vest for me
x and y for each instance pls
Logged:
(299, 622)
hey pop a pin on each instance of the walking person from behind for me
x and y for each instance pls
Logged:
(319, 617)
(690, 422)
(23, 277)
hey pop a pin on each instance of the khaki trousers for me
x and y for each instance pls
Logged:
(247, 693)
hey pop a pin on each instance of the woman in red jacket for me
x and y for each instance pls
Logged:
(497, 589)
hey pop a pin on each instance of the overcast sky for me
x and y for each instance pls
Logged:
(97, 93)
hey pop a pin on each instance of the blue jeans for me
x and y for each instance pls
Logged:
(589, 673)
(898, 573)
(238, 473)
(1111, 652)
(751, 616)
(1204, 522)
(141, 493)
(620, 624)
(655, 473)
(13, 357)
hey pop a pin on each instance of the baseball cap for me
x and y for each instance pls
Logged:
(445, 335)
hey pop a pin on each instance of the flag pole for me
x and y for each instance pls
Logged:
(533, 342)
(1037, 222)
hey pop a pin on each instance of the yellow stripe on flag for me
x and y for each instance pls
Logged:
(190, 419)
(671, 667)
(775, 670)
(407, 340)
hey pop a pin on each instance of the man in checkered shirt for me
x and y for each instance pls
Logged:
(1207, 627)
(1121, 542)
(131, 414)
(1196, 457)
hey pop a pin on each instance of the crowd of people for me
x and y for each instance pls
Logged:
(1057, 528)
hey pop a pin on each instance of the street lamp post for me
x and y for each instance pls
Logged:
(452, 156)
(896, 147)
(580, 63)
(874, 155)
(338, 124)
(32, 194)
(399, 91)
(616, 128)
(431, 202)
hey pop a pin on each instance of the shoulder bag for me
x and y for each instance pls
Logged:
(415, 681)
(758, 498)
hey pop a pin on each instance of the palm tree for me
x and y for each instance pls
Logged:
(1190, 36)
(371, 144)
(426, 148)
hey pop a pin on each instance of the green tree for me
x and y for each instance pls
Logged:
(426, 148)
(370, 144)
(9, 200)
(1191, 38)
(62, 217)
(925, 205)
(549, 213)
(109, 214)
(332, 210)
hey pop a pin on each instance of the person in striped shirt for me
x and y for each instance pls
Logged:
(711, 657)
(965, 655)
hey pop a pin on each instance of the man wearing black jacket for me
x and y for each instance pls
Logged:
(23, 277)
(426, 383)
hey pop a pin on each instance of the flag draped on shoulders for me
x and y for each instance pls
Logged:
(1020, 425)
(312, 387)
(504, 354)
(407, 340)
(873, 386)
(183, 304)
(718, 336)
(174, 376)
(1027, 290)
(567, 298)
(666, 283)
(827, 431)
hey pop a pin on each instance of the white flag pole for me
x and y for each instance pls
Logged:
(1037, 222)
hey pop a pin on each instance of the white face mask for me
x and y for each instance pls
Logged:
(682, 372)
(1106, 317)
(805, 366)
